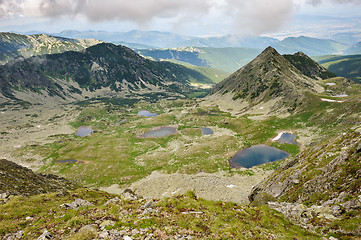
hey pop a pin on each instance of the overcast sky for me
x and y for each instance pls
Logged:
(191, 17)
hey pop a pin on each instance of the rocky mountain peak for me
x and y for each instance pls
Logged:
(268, 76)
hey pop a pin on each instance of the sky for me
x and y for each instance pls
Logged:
(275, 18)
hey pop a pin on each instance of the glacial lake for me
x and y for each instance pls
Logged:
(287, 138)
(147, 114)
(256, 155)
(160, 132)
(206, 131)
(84, 131)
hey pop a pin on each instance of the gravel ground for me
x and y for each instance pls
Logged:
(211, 186)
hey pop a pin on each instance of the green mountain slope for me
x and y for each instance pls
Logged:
(309, 67)
(346, 66)
(14, 45)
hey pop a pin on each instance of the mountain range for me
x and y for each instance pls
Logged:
(153, 39)
(14, 45)
(74, 75)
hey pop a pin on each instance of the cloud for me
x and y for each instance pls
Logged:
(260, 16)
(319, 2)
(240, 16)
(103, 10)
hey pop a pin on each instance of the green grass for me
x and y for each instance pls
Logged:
(217, 220)
(114, 154)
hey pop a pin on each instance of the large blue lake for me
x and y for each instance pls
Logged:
(256, 155)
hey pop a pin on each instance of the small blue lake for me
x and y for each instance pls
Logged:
(256, 155)
(160, 132)
(341, 95)
(206, 131)
(287, 138)
(84, 131)
(66, 161)
(122, 121)
(147, 114)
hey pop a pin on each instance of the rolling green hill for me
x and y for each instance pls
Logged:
(225, 59)
(346, 66)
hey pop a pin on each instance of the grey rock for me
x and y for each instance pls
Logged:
(149, 204)
(150, 211)
(76, 204)
(104, 234)
(127, 238)
(128, 194)
(46, 235)
(112, 201)
(358, 148)
(106, 223)
(352, 204)
(14, 236)
(89, 228)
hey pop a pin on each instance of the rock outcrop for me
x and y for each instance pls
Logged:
(18, 180)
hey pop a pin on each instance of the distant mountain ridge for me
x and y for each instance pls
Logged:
(155, 39)
(118, 69)
(14, 45)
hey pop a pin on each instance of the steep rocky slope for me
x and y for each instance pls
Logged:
(116, 68)
(14, 45)
(309, 67)
(327, 178)
(268, 76)
(18, 180)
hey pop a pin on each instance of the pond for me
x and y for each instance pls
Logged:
(285, 137)
(66, 161)
(147, 114)
(256, 155)
(160, 132)
(122, 121)
(84, 131)
(206, 131)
